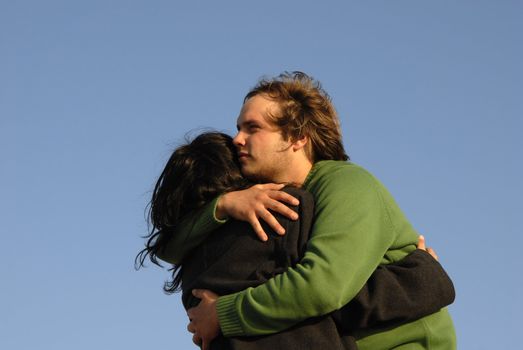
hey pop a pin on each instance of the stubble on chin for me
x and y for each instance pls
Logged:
(259, 177)
(251, 176)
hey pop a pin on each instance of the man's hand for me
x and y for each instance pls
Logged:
(421, 245)
(204, 319)
(254, 203)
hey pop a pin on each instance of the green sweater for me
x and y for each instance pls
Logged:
(357, 226)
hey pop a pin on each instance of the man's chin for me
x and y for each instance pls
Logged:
(250, 174)
(246, 172)
(255, 176)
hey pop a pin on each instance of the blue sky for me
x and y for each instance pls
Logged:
(94, 95)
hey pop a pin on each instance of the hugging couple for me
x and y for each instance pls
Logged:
(278, 241)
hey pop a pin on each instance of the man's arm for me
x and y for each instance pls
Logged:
(252, 204)
(255, 206)
(341, 255)
(190, 233)
(397, 293)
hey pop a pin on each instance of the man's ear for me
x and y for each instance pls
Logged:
(300, 143)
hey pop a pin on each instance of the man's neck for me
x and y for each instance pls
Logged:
(296, 173)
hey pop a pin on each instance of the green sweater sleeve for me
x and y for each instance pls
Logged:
(190, 233)
(350, 237)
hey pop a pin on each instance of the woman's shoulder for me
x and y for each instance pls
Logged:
(298, 193)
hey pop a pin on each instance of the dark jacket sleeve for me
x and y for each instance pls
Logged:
(407, 290)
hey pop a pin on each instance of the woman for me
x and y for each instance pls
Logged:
(233, 259)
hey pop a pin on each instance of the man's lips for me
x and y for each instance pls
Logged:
(243, 156)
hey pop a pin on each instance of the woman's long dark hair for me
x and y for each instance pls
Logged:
(195, 174)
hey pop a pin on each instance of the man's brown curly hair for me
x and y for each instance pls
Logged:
(305, 109)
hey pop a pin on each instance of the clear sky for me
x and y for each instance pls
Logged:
(94, 95)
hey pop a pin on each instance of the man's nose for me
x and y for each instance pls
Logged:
(239, 139)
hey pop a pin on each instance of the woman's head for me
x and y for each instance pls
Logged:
(194, 175)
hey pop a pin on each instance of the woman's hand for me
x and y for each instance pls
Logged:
(254, 203)
(421, 245)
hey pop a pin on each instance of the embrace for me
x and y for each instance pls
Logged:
(278, 241)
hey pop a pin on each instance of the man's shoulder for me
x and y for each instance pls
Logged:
(337, 171)
(339, 181)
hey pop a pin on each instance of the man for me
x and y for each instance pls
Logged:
(288, 132)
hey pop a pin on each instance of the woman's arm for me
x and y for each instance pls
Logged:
(397, 293)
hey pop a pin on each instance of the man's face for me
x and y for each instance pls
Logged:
(263, 153)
